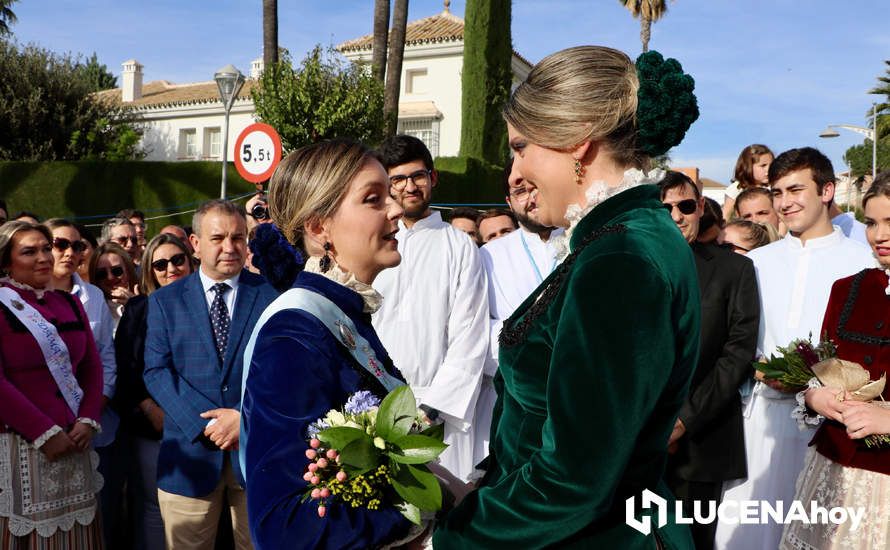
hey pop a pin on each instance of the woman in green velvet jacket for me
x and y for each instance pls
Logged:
(595, 364)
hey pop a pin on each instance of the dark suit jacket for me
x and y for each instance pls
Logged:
(183, 374)
(129, 350)
(713, 447)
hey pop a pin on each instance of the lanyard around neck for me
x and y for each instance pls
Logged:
(531, 259)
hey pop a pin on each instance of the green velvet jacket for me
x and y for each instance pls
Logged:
(594, 367)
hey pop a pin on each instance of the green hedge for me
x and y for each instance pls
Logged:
(468, 180)
(89, 191)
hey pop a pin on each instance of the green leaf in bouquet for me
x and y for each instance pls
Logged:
(416, 449)
(396, 414)
(359, 456)
(436, 431)
(410, 511)
(340, 436)
(772, 369)
(417, 486)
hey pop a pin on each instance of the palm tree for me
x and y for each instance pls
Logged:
(7, 17)
(648, 12)
(381, 35)
(883, 107)
(394, 66)
(270, 32)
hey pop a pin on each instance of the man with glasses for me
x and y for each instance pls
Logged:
(707, 446)
(121, 231)
(516, 264)
(434, 318)
(137, 218)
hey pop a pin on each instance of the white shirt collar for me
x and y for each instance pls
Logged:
(430, 222)
(78, 288)
(556, 232)
(207, 283)
(831, 239)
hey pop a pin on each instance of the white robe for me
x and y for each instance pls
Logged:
(434, 324)
(515, 264)
(795, 282)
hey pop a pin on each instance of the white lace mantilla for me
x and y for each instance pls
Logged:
(36, 494)
(371, 298)
(598, 192)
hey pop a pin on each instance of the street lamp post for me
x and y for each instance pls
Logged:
(229, 81)
(869, 133)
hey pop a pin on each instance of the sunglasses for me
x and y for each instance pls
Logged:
(116, 271)
(62, 245)
(686, 206)
(123, 240)
(161, 265)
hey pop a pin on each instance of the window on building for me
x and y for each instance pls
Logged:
(188, 143)
(424, 129)
(212, 143)
(416, 81)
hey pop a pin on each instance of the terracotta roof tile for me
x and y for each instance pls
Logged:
(160, 93)
(443, 27)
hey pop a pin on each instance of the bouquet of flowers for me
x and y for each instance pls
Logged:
(801, 361)
(374, 453)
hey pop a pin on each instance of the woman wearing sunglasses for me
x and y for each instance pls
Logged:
(112, 270)
(166, 259)
(68, 249)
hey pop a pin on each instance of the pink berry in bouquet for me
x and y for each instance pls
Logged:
(322, 463)
(325, 493)
(341, 476)
(313, 467)
(316, 493)
(322, 510)
(314, 480)
(331, 454)
(307, 476)
(314, 443)
(311, 454)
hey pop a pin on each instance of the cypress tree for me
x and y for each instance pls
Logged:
(486, 80)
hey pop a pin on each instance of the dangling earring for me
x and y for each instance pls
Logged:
(579, 172)
(325, 263)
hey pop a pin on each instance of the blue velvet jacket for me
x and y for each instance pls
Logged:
(298, 372)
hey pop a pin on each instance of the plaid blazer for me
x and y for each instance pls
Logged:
(184, 375)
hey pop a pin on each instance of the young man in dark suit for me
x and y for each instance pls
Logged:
(197, 330)
(707, 445)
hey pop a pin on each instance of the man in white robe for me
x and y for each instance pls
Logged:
(795, 275)
(515, 264)
(434, 318)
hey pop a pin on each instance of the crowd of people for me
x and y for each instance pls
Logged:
(592, 340)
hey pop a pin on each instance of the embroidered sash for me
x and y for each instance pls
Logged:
(54, 350)
(337, 322)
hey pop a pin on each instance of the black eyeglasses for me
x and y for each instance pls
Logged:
(686, 206)
(62, 245)
(421, 178)
(259, 212)
(116, 271)
(161, 265)
(519, 192)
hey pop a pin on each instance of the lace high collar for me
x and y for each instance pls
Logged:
(598, 192)
(39, 292)
(370, 297)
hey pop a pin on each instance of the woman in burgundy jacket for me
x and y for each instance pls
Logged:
(50, 401)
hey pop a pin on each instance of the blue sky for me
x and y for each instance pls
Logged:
(769, 71)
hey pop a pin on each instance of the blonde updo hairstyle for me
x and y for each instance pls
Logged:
(579, 94)
(310, 184)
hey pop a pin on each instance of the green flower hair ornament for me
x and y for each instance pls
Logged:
(666, 105)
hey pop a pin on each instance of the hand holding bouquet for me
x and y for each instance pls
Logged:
(374, 453)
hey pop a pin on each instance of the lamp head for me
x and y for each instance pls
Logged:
(829, 133)
(229, 81)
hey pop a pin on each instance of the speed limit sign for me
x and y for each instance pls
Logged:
(257, 152)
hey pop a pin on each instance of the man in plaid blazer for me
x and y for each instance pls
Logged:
(197, 330)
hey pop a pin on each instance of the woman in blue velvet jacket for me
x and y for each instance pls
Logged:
(332, 201)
